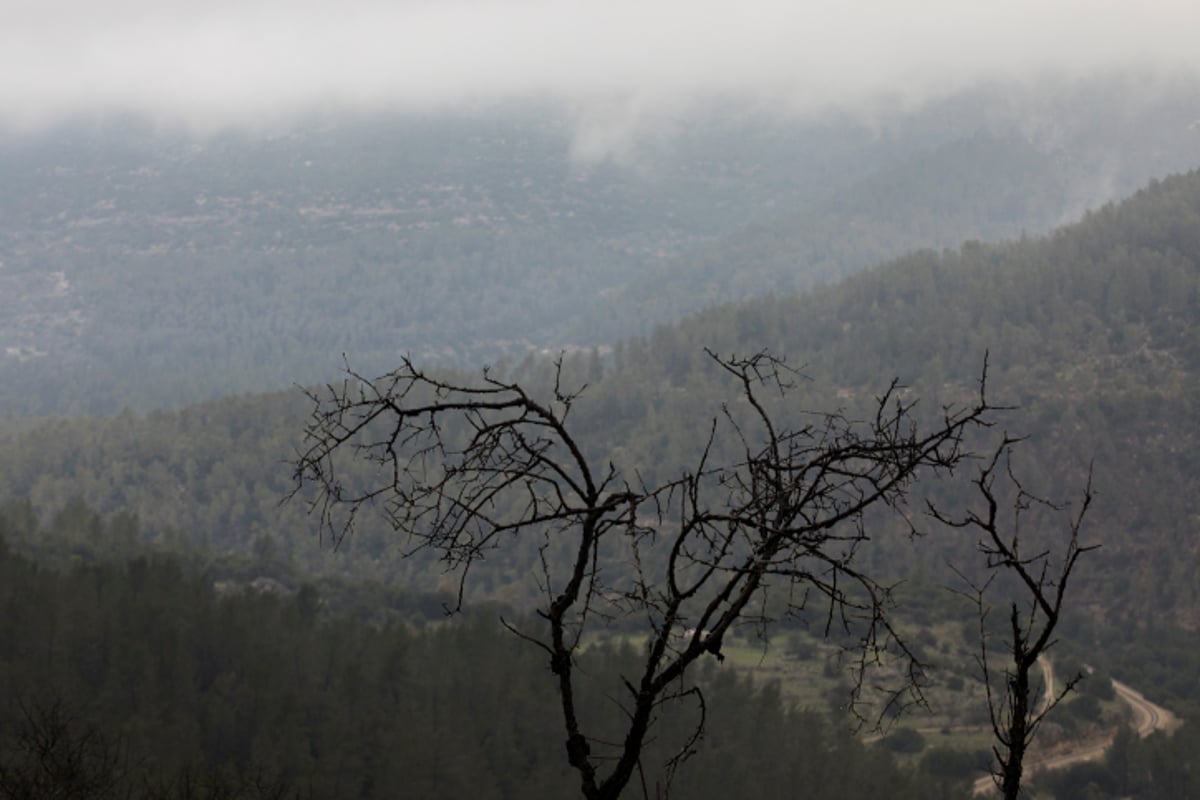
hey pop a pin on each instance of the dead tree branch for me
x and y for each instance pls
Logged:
(462, 465)
(1041, 580)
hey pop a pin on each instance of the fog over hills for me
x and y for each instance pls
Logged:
(205, 207)
(207, 199)
(147, 268)
(1092, 334)
(622, 69)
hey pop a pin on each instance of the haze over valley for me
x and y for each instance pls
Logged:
(207, 215)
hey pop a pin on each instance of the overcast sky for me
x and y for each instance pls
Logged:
(212, 63)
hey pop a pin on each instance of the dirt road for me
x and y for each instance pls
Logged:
(1146, 719)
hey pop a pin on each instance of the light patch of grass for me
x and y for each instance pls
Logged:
(967, 738)
(955, 697)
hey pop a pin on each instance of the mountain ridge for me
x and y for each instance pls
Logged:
(1092, 332)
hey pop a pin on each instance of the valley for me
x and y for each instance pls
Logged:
(174, 309)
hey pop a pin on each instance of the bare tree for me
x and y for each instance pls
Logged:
(1041, 578)
(462, 465)
(55, 755)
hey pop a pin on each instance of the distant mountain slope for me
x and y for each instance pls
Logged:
(1092, 330)
(1011, 162)
(984, 187)
(146, 269)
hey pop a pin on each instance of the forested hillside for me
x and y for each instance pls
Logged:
(612, 400)
(134, 679)
(159, 586)
(1091, 333)
(986, 186)
(144, 268)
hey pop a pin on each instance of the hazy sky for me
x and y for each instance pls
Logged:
(212, 63)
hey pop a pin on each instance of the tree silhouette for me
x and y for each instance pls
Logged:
(774, 504)
(1013, 552)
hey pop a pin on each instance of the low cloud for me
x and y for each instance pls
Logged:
(616, 63)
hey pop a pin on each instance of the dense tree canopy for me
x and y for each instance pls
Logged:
(167, 689)
(1092, 332)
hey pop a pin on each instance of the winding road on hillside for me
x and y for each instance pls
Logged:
(1146, 718)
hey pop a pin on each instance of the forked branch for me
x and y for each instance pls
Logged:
(1041, 577)
(769, 505)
